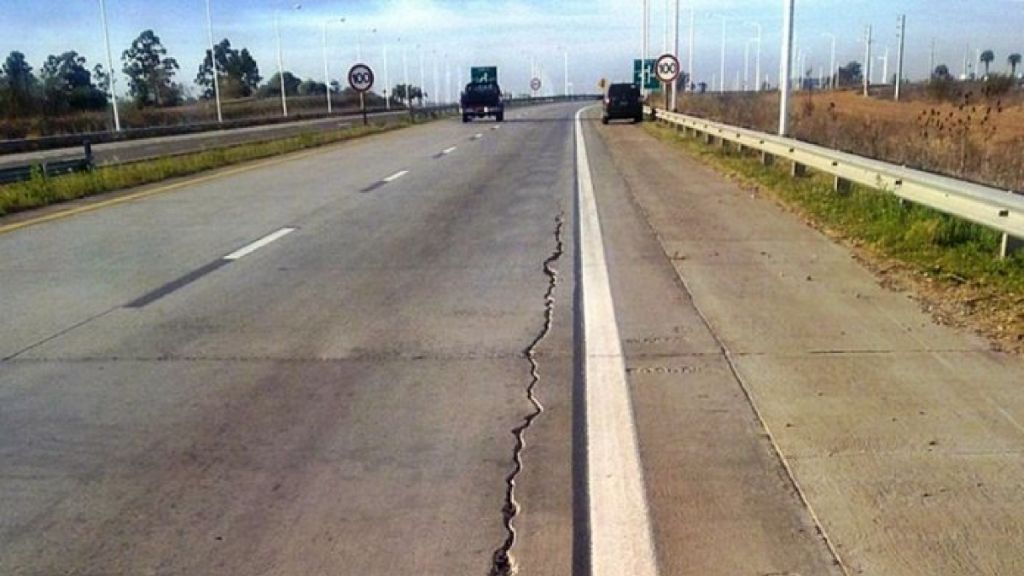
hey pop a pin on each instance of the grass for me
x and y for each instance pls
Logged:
(931, 243)
(41, 191)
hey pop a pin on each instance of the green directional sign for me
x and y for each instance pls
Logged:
(479, 74)
(652, 81)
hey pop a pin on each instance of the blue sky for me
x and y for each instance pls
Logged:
(602, 36)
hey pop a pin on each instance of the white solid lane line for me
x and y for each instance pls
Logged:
(620, 529)
(396, 176)
(245, 251)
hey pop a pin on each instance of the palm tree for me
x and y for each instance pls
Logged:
(1014, 60)
(987, 57)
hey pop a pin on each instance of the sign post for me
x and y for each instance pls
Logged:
(360, 78)
(667, 70)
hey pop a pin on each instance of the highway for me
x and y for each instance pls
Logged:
(377, 357)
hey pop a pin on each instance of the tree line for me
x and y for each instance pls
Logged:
(66, 83)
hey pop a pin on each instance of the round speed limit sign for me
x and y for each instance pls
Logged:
(360, 78)
(535, 84)
(667, 68)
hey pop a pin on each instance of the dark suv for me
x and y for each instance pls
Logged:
(623, 102)
(482, 99)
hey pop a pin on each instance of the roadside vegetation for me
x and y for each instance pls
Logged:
(41, 191)
(67, 96)
(951, 264)
(970, 127)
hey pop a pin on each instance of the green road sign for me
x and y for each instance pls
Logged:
(483, 74)
(652, 81)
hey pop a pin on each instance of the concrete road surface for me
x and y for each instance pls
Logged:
(397, 356)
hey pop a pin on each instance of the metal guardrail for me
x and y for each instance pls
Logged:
(48, 169)
(1000, 210)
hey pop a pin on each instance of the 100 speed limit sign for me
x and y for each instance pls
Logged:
(360, 78)
(667, 68)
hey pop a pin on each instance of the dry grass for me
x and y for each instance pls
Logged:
(974, 138)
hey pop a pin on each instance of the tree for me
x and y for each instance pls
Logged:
(19, 85)
(273, 86)
(403, 93)
(238, 72)
(312, 88)
(851, 74)
(941, 72)
(987, 57)
(1014, 61)
(68, 85)
(151, 72)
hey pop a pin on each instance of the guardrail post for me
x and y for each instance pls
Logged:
(708, 138)
(767, 159)
(1010, 246)
(797, 170)
(841, 185)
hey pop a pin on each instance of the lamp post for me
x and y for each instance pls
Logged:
(110, 66)
(786, 71)
(280, 59)
(327, 73)
(213, 63)
(832, 67)
(721, 73)
(693, 29)
(675, 52)
(758, 58)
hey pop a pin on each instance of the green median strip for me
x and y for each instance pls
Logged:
(954, 256)
(40, 191)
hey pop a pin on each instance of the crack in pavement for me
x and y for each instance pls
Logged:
(503, 563)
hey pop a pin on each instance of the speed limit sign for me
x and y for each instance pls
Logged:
(535, 84)
(667, 68)
(360, 78)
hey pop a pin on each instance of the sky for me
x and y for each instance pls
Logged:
(601, 37)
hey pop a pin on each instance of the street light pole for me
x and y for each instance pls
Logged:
(565, 54)
(110, 66)
(387, 79)
(213, 63)
(280, 64)
(693, 29)
(785, 72)
(643, 49)
(758, 58)
(327, 73)
(675, 52)
(832, 67)
(899, 65)
(722, 70)
(867, 61)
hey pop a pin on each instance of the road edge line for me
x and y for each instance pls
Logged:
(621, 541)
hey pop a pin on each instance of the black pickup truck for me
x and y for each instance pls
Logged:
(482, 99)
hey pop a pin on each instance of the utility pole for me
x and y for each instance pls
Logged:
(423, 82)
(405, 75)
(785, 71)
(867, 61)
(213, 63)
(110, 67)
(387, 79)
(899, 58)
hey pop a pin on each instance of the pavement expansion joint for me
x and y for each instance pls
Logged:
(504, 563)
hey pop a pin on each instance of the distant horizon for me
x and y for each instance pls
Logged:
(601, 37)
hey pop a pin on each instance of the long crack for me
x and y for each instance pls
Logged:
(504, 563)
